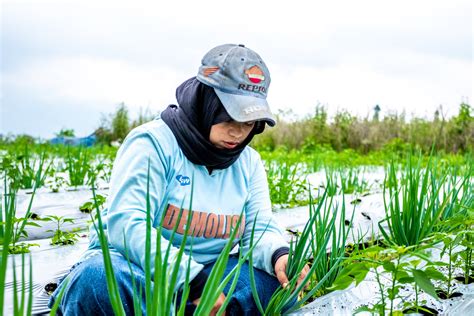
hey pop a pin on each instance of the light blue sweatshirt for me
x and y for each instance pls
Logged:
(218, 200)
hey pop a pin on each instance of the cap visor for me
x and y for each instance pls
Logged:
(244, 108)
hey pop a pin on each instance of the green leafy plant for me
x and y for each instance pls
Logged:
(401, 265)
(450, 242)
(102, 170)
(56, 183)
(89, 206)
(458, 237)
(60, 236)
(19, 231)
(466, 255)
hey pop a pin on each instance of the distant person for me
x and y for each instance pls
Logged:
(202, 140)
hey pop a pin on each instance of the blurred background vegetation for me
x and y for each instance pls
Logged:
(393, 131)
(380, 131)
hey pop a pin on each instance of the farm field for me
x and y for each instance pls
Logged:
(390, 232)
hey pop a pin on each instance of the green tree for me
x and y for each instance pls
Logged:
(341, 129)
(144, 116)
(64, 132)
(462, 128)
(120, 123)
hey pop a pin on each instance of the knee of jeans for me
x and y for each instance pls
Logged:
(85, 284)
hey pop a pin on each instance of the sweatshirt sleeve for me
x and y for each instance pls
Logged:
(126, 217)
(258, 207)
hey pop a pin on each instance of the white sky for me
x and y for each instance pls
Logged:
(65, 62)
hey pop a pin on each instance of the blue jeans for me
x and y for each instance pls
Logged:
(86, 290)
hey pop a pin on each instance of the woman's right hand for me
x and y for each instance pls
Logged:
(217, 305)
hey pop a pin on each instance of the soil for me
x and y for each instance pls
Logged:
(425, 311)
(34, 216)
(364, 245)
(444, 295)
(50, 287)
(461, 279)
(293, 232)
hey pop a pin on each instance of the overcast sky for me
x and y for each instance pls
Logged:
(63, 63)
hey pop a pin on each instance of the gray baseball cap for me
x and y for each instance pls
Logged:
(240, 79)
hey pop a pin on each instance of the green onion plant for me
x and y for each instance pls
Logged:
(330, 224)
(78, 165)
(23, 288)
(412, 206)
(302, 251)
(22, 296)
(16, 227)
(286, 184)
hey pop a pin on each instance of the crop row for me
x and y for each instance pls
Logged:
(429, 204)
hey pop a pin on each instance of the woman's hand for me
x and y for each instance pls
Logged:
(217, 305)
(280, 271)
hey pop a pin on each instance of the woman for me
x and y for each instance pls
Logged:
(203, 141)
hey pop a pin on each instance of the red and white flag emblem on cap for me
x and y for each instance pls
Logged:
(255, 74)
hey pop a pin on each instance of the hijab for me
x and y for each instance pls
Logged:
(198, 109)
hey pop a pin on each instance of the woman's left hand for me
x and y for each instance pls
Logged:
(280, 271)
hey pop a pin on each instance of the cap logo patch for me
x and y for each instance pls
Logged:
(255, 74)
(209, 71)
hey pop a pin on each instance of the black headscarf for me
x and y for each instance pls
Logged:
(191, 122)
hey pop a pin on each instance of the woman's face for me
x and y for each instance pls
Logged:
(228, 135)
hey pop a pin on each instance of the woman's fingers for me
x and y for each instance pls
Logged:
(218, 304)
(280, 270)
(282, 277)
(302, 275)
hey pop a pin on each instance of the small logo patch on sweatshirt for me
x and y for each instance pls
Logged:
(183, 180)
